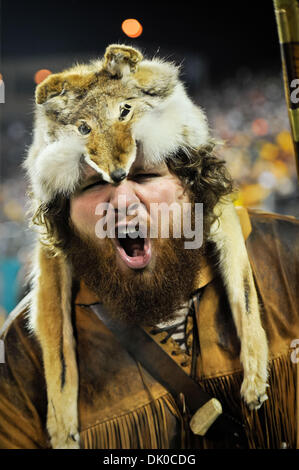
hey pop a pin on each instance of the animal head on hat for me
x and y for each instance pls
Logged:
(98, 113)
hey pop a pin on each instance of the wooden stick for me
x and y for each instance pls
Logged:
(287, 19)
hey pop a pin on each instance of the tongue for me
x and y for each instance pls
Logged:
(136, 251)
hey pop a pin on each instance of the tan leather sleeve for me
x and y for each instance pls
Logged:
(22, 391)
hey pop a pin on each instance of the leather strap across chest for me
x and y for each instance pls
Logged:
(138, 342)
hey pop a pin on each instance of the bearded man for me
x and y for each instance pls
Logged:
(76, 373)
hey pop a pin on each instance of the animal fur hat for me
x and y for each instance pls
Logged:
(95, 114)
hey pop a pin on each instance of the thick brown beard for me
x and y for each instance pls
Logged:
(143, 297)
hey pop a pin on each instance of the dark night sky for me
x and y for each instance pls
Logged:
(229, 34)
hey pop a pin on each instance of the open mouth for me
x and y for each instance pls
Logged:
(133, 248)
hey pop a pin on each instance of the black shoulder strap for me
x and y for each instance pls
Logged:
(167, 372)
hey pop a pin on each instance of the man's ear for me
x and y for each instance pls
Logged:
(50, 87)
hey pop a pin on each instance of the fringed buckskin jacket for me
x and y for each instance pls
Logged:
(122, 406)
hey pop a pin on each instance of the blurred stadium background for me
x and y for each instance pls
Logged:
(230, 65)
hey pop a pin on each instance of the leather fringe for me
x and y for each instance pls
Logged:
(267, 428)
(274, 425)
(144, 428)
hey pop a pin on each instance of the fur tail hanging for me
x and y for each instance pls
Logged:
(50, 319)
(236, 272)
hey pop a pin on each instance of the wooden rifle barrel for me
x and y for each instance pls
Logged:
(287, 18)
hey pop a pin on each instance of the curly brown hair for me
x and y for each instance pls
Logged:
(202, 174)
(205, 177)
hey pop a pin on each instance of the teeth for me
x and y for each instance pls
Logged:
(126, 231)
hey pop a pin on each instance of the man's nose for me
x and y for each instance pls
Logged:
(123, 196)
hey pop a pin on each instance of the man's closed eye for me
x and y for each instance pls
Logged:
(96, 183)
(144, 176)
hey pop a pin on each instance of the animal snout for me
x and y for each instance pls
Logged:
(118, 175)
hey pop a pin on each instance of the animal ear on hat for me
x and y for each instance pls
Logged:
(120, 60)
(50, 87)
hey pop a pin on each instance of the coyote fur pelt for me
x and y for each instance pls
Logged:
(97, 113)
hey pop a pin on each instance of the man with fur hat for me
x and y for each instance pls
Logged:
(114, 141)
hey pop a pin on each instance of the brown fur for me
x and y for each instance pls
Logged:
(88, 93)
(80, 116)
(53, 329)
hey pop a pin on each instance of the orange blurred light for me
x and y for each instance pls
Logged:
(260, 126)
(1, 77)
(132, 28)
(41, 75)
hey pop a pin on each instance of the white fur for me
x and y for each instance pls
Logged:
(56, 169)
(131, 159)
(235, 268)
(95, 167)
(34, 279)
(118, 69)
(171, 125)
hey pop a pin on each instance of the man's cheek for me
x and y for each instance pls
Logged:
(83, 216)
